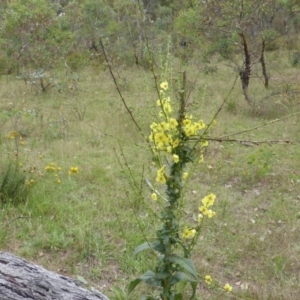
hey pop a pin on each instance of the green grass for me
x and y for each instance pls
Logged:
(89, 224)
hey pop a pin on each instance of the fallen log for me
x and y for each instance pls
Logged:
(20, 280)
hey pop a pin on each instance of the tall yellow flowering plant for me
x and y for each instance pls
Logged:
(176, 140)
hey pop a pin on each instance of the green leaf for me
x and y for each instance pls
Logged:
(194, 286)
(186, 264)
(178, 296)
(155, 246)
(149, 277)
(133, 284)
(180, 276)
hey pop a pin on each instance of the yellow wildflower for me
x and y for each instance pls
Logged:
(211, 213)
(175, 158)
(160, 177)
(154, 197)
(151, 137)
(58, 181)
(167, 108)
(189, 130)
(153, 126)
(208, 200)
(227, 287)
(164, 126)
(50, 168)
(185, 175)
(204, 143)
(208, 279)
(188, 233)
(73, 170)
(199, 125)
(200, 218)
(160, 137)
(173, 123)
(203, 209)
(164, 85)
(175, 143)
(160, 146)
(169, 149)
(12, 134)
(201, 159)
(186, 122)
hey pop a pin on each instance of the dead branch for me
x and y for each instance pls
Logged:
(263, 64)
(245, 72)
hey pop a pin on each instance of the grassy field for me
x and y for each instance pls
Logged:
(87, 224)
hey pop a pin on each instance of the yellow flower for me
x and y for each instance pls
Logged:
(209, 200)
(160, 137)
(204, 143)
(153, 126)
(200, 218)
(208, 279)
(164, 126)
(58, 181)
(160, 177)
(188, 233)
(50, 168)
(12, 134)
(186, 122)
(160, 146)
(167, 108)
(189, 130)
(154, 197)
(164, 85)
(169, 149)
(227, 287)
(185, 175)
(199, 125)
(201, 159)
(175, 143)
(204, 210)
(73, 170)
(211, 213)
(175, 158)
(151, 137)
(173, 123)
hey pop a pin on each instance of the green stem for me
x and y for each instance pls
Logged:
(170, 225)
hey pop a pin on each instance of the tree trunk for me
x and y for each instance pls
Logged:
(20, 280)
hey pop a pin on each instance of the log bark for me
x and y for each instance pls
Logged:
(20, 280)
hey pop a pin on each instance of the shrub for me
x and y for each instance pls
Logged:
(13, 186)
